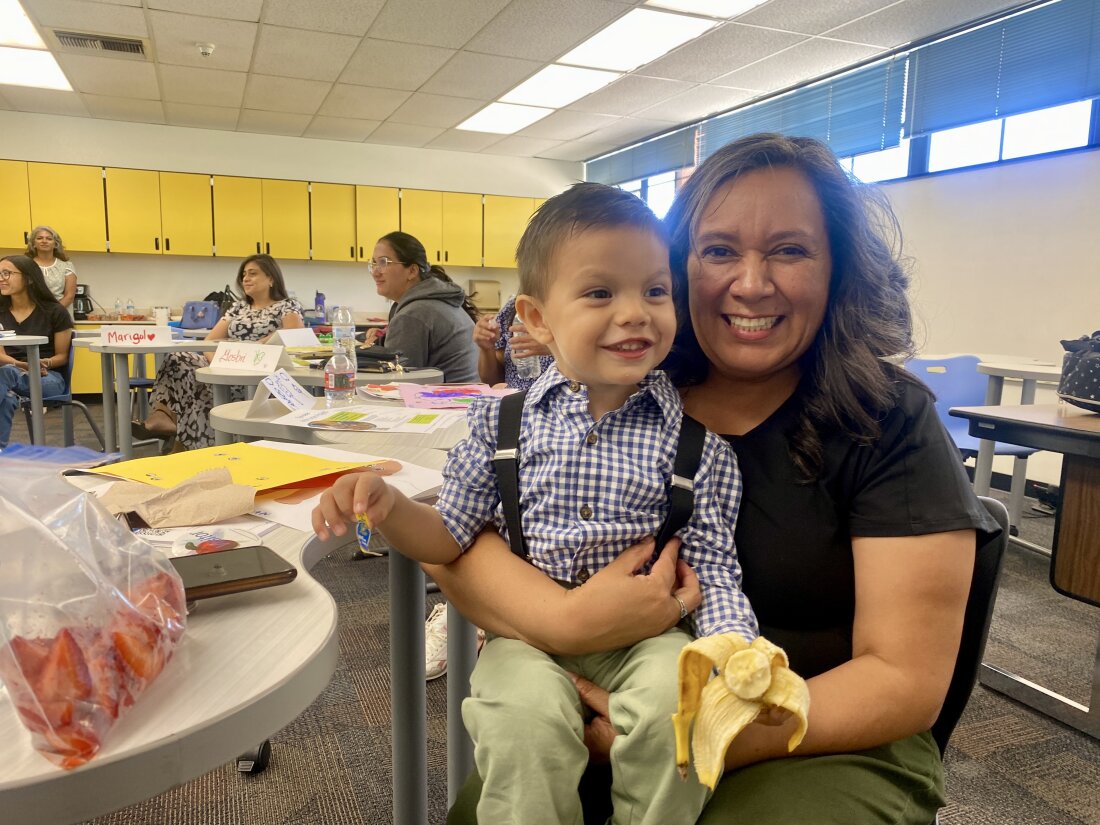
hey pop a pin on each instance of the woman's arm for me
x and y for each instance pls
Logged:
(219, 332)
(61, 340)
(292, 320)
(500, 592)
(69, 290)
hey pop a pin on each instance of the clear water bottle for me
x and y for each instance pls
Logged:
(118, 310)
(528, 367)
(339, 378)
(343, 328)
(130, 307)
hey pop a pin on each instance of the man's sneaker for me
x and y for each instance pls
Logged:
(435, 642)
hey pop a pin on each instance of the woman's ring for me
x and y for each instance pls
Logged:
(683, 607)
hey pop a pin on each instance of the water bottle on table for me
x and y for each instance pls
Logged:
(529, 366)
(343, 329)
(339, 377)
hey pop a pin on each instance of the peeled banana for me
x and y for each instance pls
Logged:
(751, 678)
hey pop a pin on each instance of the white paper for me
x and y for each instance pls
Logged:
(135, 335)
(285, 389)
(384, 419)
(238, 355)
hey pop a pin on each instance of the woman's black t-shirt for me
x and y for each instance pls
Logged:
(794, 538)
(43, 320)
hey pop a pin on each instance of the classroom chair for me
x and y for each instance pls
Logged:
(956, 382)
(65, 402)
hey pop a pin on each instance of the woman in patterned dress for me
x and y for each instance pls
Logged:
(180, 402)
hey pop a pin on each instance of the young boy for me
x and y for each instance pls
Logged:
(597, 442)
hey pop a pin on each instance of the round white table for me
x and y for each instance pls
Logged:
(34, 379)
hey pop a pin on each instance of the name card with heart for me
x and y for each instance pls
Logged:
(238, 355)
(135, 335)
(278, 394)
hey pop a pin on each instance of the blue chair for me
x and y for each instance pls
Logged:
(66, 402)
(956, 382)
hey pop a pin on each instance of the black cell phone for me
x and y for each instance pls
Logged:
(232, 571)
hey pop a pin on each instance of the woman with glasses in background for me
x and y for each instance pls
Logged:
(45, 247)
(28, 307)
(431, 320)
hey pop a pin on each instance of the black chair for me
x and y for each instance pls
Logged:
(596, 782)
(65, 402)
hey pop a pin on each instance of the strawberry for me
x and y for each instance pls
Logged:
(160, 598)
(211, 545)
(138, 642)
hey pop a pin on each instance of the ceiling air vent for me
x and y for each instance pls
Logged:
(100, 43)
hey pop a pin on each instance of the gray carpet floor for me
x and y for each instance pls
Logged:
(1006, 764)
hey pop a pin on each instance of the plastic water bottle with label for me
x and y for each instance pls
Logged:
(343, 329)
(130, 309)
(339, 378)
(117, 316)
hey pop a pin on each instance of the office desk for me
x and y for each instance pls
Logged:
(247, 666)
(116, 373)
(34, 379)
(1075, 557)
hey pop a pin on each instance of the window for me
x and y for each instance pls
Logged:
(634, 187)
(885, 164)
(965, 146)
(661, 193)
(1047, 130)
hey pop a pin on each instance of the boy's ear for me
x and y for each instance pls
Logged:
(529, 311)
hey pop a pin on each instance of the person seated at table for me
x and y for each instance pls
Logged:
(600, 427)
(502, 337)
(857, 526)
(28, 307)
(432, 319)
(47, 250)
(180, 402)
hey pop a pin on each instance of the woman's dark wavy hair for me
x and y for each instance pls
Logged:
(271, 269)
(35, 281)
(846, 385)
(410, 252)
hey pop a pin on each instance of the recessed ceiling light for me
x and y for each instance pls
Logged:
(30, 67)
(16, 28)
(503, 118)
(638, 37)
(558, 86)
(724, 9)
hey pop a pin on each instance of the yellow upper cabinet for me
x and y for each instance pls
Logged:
(70, 199)
(238, 216)
(422, 217)
(377, 213)
(187, 221)
(461, 229)
(15, 205)
(133, 204)
(505, 220)
(286, 218)
(332, 218)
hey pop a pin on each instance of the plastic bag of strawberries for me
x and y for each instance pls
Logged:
(89, 614)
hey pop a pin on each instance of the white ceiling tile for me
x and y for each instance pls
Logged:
(524, 147)
(449, 23)
(362, 102)
(175, 36)
(576, 150)
(632, 129)
(125, 108)
(435, 110)
(911, 20)
(809, 59)
(205, 117)
(566, 125)
(301, 53)
(629, 94)
(80, 16)
(284, 94)
(538, 30)
(403, 134)
(394, 65)
(248, 10)
(112, 76)
(810, 18)
(463, 141)
(718, 52)
(480, 76)
(340, 128)
(202, 87)
(340, 16)
(272, 123)
(46, 101)
(696, 103)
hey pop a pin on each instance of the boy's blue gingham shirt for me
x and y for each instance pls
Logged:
(589, 489)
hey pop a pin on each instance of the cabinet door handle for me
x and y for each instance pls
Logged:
(360, 253)
(437, 256)
(351, 252)
(167, 244)
(268, 248)
(26, 237)
(444, 256)
(156, 244)
(257, 247)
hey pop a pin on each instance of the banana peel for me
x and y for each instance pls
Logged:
(751, 678)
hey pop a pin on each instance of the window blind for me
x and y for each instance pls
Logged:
(675, 150)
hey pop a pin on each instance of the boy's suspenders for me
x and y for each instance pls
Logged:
(689, 450)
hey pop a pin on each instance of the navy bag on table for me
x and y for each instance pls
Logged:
(1080, 384)
(200, 315)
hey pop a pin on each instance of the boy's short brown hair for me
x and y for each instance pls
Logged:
(582, 206)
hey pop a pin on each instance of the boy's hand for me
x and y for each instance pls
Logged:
(353, 493)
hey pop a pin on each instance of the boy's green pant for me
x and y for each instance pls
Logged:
(528, 729)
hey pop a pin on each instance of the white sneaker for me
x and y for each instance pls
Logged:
(435, 643)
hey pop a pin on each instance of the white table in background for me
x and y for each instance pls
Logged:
(116, 373)
(34, 379)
